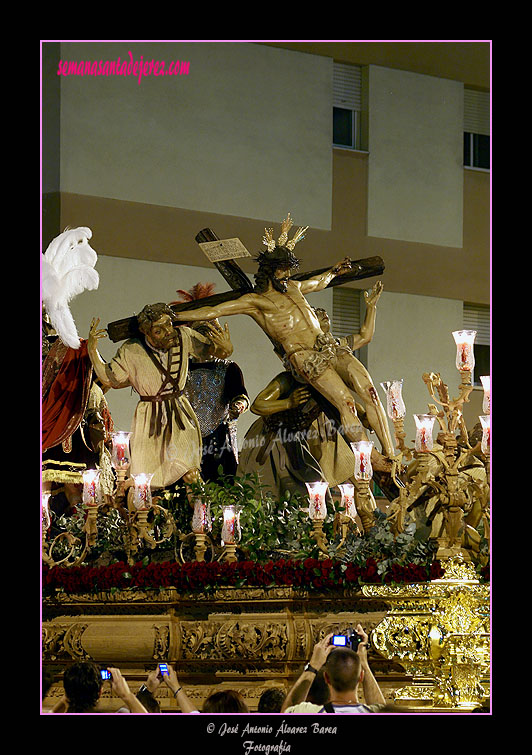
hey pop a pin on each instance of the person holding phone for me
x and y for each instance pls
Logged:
(83, 685)
(343, 671)
(163, 674)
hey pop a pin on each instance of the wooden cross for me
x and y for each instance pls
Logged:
(368, 267)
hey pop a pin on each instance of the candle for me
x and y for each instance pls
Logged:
(486, 434)
(231, 525)
(348, 499)
(317, 506)
(362, 452)
(465, 357)
(45, 512)
(395, 406)
(120, 458)
(142, 492)
(486, 404)
(201, 518)
(424, 425)
(91, 487)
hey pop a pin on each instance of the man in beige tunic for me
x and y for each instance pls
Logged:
(166, 437)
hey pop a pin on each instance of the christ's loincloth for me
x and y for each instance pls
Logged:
(324, 354)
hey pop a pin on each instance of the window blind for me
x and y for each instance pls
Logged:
(345, 312)
(347, 86)
(477, 317)
(476, 112)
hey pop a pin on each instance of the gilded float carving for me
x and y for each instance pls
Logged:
(441, 632)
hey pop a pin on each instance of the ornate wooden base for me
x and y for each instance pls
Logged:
(429, 641)
(248, 639)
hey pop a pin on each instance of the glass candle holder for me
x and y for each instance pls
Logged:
(45, 512)
(91, 487)
(120, 456)
(316, 495)
(465, 356)
(231, 532)
(201, 518)
(362, 451)
(142, 493)
(395, 406)
(424, 425)
(348, 499)
(486, 434)
(486, 403)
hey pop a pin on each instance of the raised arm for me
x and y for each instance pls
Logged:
(244, 305)
(357, 340)
(181, 697)
(302, 685)
(319, 282)
(92, 349)
(121, 688)
(370, 687)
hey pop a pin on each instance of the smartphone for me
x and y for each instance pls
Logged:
(105, 674)
(163, 668)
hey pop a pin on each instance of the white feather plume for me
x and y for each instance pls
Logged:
(67, 271)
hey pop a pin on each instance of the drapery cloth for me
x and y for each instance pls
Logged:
(66, 382)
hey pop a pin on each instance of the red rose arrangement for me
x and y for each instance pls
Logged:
(309, 574)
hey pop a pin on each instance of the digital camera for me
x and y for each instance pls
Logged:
(105, 674)
(163, 669)
(349, 640)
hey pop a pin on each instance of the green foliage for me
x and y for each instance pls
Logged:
(111, 533)
(386, 548)
(272, 528)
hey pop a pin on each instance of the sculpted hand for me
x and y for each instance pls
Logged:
(237, 407)
(299, 396)
(342, 267)
(372, 296)
(221, 340)
(95, 334)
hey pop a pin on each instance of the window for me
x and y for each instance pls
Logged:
(476, 129)
(477, 317)
(346, 105)
(345, 129)
(476, 150)
(346, 314)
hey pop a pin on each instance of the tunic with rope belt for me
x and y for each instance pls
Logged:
(165, 433)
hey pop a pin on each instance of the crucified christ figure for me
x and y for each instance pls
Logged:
(278, 305)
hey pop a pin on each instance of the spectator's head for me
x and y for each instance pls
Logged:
(228, 701)
(82, 684)
(150, 703)
(48, 678)
(271, 701)
(342, 670)
(319, 691)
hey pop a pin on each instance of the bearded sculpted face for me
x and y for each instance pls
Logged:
(162, 334)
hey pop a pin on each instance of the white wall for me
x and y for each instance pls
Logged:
(415, 165)
(126, 285)
(247, 132)
(413, 335)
